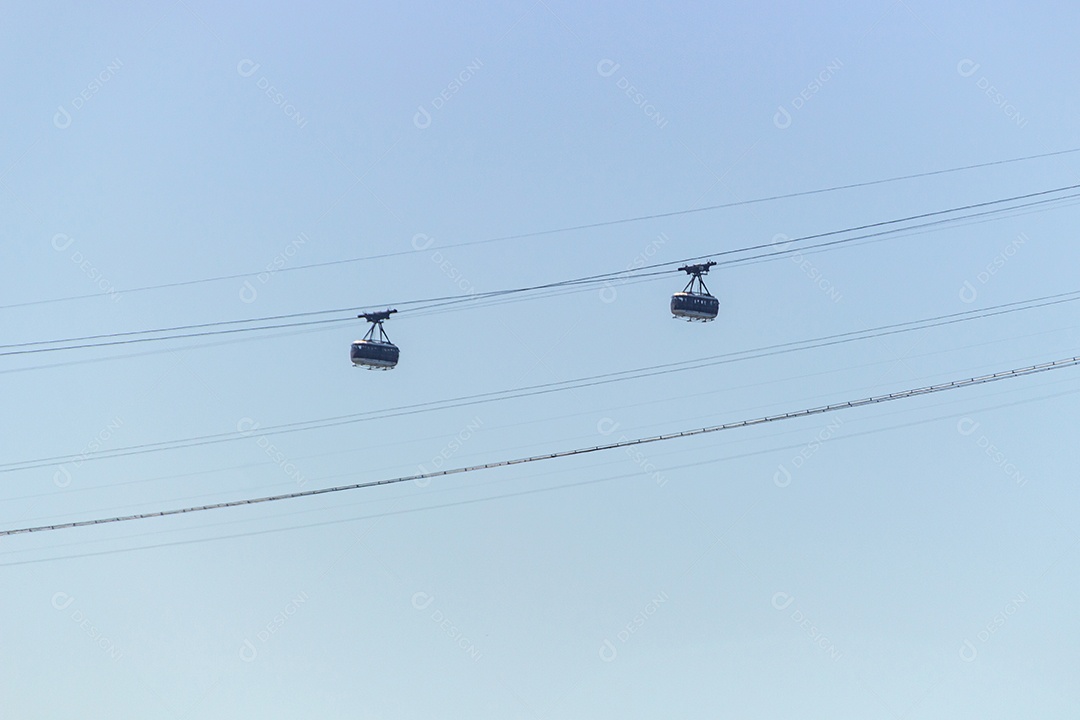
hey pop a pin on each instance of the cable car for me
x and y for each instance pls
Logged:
(375, 353)
(695, 302)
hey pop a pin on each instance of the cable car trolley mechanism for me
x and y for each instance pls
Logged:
(371, 352)
(695, 302)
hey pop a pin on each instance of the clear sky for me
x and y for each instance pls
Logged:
(911, 560)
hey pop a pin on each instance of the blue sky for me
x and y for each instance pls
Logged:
(909, 560)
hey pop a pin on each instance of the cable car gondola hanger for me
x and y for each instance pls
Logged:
(695, 302)
(371, 352)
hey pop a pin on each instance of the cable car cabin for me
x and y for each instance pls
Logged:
(374, 355)
(695, 302)
(375, 352)
(694, 306)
